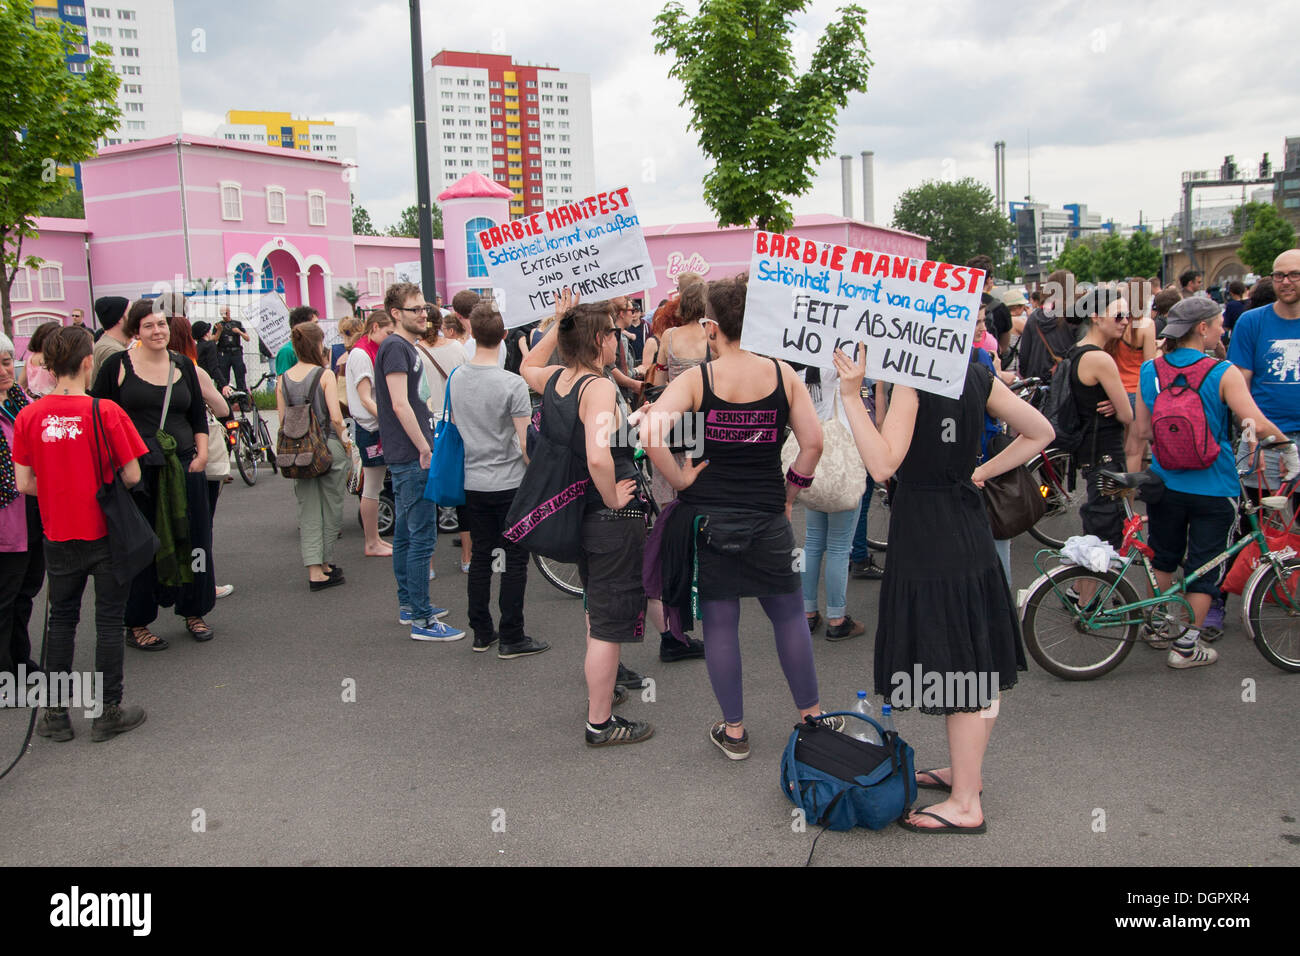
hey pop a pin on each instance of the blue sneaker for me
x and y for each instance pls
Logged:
(403, 615)
(431, 630)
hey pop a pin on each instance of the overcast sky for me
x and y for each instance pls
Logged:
(1103, 102)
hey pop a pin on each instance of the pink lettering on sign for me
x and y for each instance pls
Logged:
(679, 263)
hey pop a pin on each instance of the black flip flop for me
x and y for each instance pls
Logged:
(948, 825)
(938, 783)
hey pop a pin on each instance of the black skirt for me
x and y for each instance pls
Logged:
(746, 554)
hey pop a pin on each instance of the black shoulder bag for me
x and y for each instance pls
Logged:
(131, 540)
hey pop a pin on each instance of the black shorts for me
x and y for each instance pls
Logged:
(371, 451)
(764, 565)
(1190, 530)
(610, 568)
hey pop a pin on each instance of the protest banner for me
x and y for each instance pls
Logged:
(270, 317)
(593, 246)
(408, 272)
(330, 329)
(805, 299)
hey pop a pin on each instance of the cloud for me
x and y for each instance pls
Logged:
(1114, 98)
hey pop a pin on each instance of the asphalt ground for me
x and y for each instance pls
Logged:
(452, 757)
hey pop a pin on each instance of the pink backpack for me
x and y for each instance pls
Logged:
(1181, 435)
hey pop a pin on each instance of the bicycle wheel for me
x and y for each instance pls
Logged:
(386, 516)
(1062, 518)
(1056, 636)
(1270, 617)
(563, 576)
(265, 436)
(878, 519)
(246, 455)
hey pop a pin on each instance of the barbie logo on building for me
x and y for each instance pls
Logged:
(678, 263)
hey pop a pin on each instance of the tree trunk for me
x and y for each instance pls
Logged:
(6, 280)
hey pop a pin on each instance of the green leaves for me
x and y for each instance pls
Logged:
(409, 223)
(49, 118)
(961, 219)
(765, 127)
(1268, 238)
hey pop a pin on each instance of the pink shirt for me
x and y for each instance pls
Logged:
(988, 343)
(13, 519)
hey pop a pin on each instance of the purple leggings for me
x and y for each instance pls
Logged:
(721, 620)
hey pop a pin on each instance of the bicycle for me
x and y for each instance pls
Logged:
(1075, 640)
(249, 437)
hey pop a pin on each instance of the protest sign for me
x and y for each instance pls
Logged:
(593, 246)
(270, 317)
(408, 272)
(330, 329)
(806, 299)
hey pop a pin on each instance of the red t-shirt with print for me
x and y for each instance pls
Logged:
(55, 438)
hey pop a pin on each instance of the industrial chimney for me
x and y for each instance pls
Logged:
(868, 186)
(846, 185)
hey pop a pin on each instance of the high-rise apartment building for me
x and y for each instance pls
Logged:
(528, 127)
(142, 34)
(269, 128)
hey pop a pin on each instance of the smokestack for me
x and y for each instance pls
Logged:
(846, 184)
(868, 186)
(998, 185)
(1002, 174)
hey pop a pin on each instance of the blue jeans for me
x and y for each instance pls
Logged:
(860, 550)
(830, 535)
(415, 533)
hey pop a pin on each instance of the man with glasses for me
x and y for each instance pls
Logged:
(623, 369)
(1266, 347)
(406, 434)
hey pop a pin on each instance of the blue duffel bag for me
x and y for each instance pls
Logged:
(841, 782)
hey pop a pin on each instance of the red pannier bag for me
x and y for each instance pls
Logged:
(1247, 560)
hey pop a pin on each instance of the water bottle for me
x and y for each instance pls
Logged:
(861, 729)
(887, 718)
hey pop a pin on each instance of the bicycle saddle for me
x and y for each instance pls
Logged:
(1114, 482)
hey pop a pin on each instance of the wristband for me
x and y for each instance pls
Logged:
(798, 480)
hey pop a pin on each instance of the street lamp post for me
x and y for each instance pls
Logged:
(422, 157)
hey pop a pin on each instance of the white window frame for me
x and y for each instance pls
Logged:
(24, 275)
(58, 270)
(284, 205)
(311, 209)
(239, 199)
(373, 279)
(389, 278)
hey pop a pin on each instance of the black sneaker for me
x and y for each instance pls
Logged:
(844, 630)
(674, 650)
(630, 679)
(522, 648)
(866, 570)
(483, 643)
(733, 748)
(620, 696)
(620, 730)
(54, 723)
(115, 720)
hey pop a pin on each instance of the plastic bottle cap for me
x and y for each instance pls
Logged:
(886, 709)
(861, 694)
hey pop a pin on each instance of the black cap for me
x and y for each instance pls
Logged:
(109, 309)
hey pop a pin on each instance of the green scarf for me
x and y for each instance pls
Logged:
(171, 521)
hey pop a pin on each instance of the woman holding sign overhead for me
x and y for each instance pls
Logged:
(945, 607)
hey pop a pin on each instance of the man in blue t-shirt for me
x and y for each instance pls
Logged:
(406, 432)
(1266, 347)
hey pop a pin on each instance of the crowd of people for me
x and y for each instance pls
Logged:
(148, 398)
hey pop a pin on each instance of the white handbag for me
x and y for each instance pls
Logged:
(840, 476)
(218, 451)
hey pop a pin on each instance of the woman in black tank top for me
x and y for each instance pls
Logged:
(614, 529)
(738, 502)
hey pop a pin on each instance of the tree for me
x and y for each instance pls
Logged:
(1109, 262)
(961, 219)
(70, 205)
(1268, 238)
(1243, 217)
(361, 224)
(1141, 257)
(408, 224)
(349, 294)
(1077, 257)
(49, 117)
(764, 127)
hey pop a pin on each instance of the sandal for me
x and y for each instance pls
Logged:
(938, 784)
(198, 629)
(132, 637)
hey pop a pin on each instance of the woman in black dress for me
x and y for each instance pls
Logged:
(946, 613)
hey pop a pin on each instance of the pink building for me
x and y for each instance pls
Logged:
(61, 283)
(229, 222)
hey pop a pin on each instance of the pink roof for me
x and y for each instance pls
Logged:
(191, 140)
(816, 219)
(473, 186)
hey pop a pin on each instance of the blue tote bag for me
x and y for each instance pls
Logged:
(446, 484)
